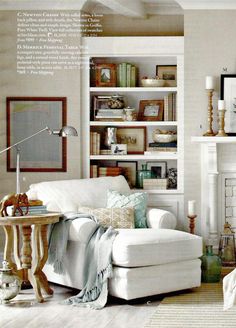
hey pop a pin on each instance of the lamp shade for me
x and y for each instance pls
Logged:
(68, 131)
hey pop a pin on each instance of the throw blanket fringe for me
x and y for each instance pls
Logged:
(97, 265)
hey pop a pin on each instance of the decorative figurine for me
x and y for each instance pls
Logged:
(15, 200)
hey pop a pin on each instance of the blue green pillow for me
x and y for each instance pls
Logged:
(136, 200)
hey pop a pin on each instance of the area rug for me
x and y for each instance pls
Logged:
(200, 307)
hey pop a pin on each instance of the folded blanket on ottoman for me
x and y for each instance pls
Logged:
(98, 266)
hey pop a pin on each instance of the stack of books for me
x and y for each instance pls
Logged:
(170, 107)
(155, 184)
(110, 171)
(127, 75)
(154, 147)
(93, 171)
(35, 207)
(109, 114)
(95, 140)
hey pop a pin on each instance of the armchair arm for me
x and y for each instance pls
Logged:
(160, 219)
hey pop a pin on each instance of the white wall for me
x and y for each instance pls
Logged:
(209, 46)
(62, 84)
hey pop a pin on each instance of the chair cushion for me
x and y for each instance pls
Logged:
(68, 195)
(142, 247)
(136, 200)
(122, 218)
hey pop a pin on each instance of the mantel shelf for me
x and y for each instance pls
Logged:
(214, 140)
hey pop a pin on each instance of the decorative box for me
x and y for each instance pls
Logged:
(151, 184)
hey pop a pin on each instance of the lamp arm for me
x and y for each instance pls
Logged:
(23, 140)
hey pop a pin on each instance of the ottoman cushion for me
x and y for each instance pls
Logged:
(143, 247)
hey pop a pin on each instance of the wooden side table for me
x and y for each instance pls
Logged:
(26, 268)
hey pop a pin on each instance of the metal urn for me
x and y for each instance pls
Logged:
(110, 137)
(10, 283)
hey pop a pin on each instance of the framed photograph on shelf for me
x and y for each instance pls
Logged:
(228, 93)
(130, 169)
(134, 137)
(159, 169)
(28, 115)
(151, 110)
(167, 73)
(119, 149)
(105, 75)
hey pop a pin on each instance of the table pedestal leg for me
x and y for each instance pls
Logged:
(41, 256)
(27, 262)
(9, 246)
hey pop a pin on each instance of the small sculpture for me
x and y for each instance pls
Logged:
(15, 200)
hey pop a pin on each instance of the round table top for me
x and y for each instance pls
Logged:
(25, 220)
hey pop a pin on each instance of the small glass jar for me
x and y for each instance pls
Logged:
(211, 266)
(10, 283)
(142, 174)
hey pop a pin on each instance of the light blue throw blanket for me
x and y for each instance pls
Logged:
(97, 264)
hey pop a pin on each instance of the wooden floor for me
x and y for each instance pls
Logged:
(25, 312)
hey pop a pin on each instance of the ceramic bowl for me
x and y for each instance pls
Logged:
(164, 137)
(152, 83)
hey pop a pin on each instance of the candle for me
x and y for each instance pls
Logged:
(191, 208)
(221, 104)
(209, 82)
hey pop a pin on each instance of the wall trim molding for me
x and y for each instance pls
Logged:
(207, 4)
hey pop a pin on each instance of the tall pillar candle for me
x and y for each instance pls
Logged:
(191, 208)
(209, 83)
(221, 104)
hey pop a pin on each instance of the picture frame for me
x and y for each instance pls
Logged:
(134, 137)
(26, 116)
(118, 149)
(105, 74)
(228, 93)
(159, 169)
(151, 110)
(131, 168)
(167, 73)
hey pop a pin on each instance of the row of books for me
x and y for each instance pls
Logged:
(95, 140)
(157, 147)
(33, 210)
(170, 107)
(109, 114)
(109, 171)
(127, 75)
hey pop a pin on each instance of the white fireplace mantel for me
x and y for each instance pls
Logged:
(209, 183)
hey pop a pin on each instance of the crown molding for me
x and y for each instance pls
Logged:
(207, 4)
(42, 4)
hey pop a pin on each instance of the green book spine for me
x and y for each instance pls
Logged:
(123, 75)
(133, 76)
(128, 75)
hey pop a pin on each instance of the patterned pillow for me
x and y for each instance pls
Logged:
(137, 200)
(119, 218)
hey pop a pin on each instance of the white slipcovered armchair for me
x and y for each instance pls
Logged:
(145, 261)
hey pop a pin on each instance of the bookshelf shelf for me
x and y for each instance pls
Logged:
(145, 54)
(136, 89)
(167, 156)
(134, 123)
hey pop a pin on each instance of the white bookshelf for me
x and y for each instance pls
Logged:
(145, 53)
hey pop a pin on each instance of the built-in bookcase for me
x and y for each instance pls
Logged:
(145, 54)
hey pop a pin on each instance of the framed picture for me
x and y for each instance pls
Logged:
(133, 137)
(119, 149)
(130, 169)
(159, 169)
(167, 73)
(151, 110)
(28, 115)
(228, 93)
(105, 75)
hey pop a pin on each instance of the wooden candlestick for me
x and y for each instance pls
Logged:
(192, 223)
(221, 132)
(210, 132)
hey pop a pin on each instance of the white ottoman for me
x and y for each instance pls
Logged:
(153, 261)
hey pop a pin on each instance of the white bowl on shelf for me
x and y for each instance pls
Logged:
(164, 137)
(152, 83)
